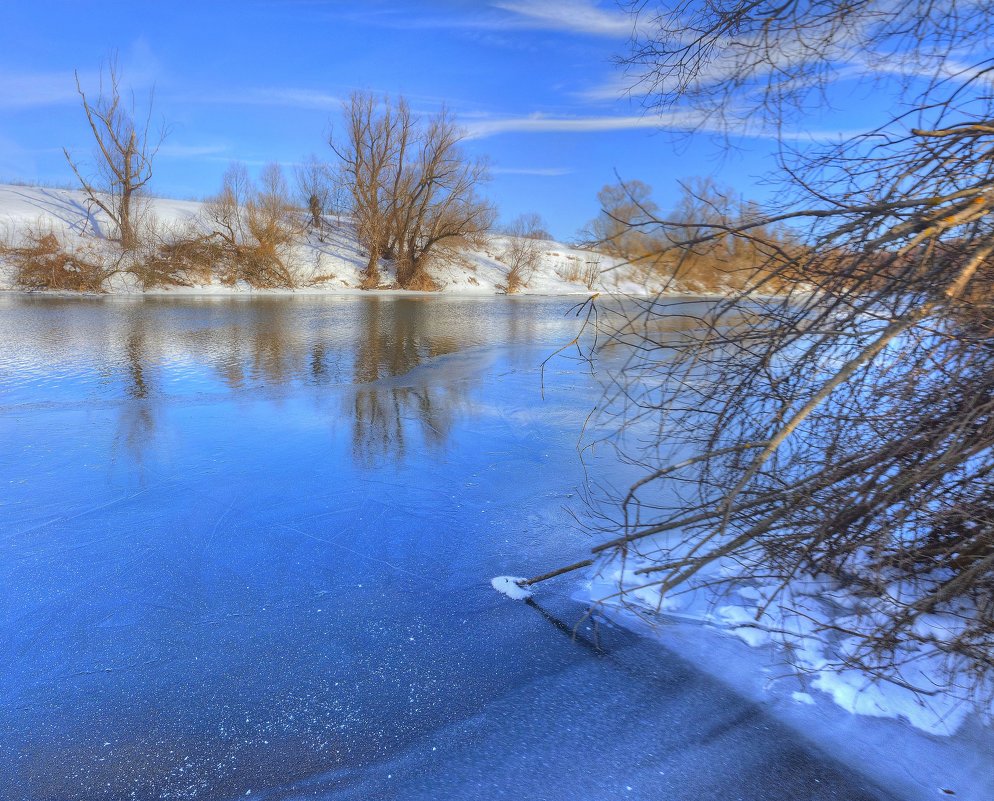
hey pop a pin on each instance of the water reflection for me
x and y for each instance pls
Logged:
(136, 425)
(397, 340)
(136, 353)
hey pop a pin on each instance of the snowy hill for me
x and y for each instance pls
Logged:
(329, 263)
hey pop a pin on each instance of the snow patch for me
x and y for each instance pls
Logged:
(511, 587)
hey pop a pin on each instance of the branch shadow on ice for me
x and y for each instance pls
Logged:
(593, 645)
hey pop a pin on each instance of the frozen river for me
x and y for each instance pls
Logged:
(245, 550)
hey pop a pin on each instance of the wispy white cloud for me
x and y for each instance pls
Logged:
(180, 151)
(576, 16)
(938, 68)
(25, 90)
(38, 89)
(539, 123)
(285, 97)
(615, 88)
(677, 120)
(297, 98)
(568, 16)
(549, 172)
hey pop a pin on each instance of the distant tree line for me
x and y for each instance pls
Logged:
(404, 182)
(712, 239)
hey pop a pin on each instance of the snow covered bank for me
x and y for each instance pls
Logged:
(790, 650)
(814, 626)
(914, 765)
(327, 263)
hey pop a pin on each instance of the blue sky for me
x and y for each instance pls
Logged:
(262, 80)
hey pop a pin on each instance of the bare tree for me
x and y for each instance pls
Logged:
(434, 199)
(315, 187)
(843, 427)
(412, 186)
(124, 154)
(618, 228)
(368, 154)
(531, 225)
(521, 251)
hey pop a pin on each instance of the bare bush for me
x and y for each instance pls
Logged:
(252, 230)
(42, 260)
(124, 154)
(522, 251)
(315, 188)
(579, 270)
(737, 251)
(187, 259)
(667, 251)
(591, 272)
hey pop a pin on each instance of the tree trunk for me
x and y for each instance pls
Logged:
(125, 224)
(371, 275)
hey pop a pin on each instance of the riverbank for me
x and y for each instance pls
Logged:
(329, 261)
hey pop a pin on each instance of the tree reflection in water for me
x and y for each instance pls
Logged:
(262, 349)
(370, 362)
(395, 338)
(137, 420)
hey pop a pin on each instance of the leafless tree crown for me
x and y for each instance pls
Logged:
(843, 424)
(124, 152)
(412, 186)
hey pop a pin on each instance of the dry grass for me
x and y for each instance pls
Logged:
(321, 278)
(570, 269)
(180, 262)
(43, 261)
(260, 265)
(577, 271)
(420, 281)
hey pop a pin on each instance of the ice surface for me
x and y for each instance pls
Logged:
(795, 624)
(244, 545)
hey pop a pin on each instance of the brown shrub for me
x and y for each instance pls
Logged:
(521, 252)
(577, 271)
(181, 262)
(591, 271)
(422, 282)
(253, 230)
(43, 261)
